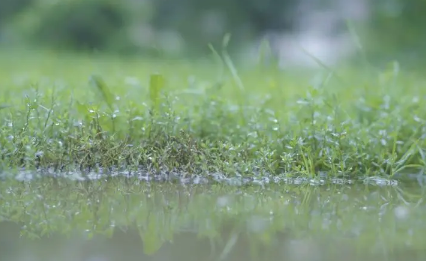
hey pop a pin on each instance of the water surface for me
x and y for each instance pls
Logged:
(128, 219)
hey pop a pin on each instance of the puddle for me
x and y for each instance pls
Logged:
(131, 219)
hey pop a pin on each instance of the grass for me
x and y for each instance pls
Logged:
(65, 113)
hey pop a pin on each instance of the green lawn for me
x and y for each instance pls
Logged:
(94, 113)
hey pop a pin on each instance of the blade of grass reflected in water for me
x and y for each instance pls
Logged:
(216, 222)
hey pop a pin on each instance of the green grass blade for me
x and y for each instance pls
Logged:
(357, 41)
(103, 89)
(266, 55)
(219, 61)
(233, 71)
(323, 65)
(156, 84)
(230, 64)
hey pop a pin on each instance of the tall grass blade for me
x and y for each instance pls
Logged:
(156, 84)
(230, 64)
(320, 63)
(219, 61)
(358, 44)
(229, 246)
(266, 55)
(103, 89)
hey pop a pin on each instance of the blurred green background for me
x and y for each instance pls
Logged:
(385, 29)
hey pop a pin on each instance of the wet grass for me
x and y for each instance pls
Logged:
(67, 114)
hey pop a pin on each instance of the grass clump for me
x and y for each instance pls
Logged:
(180, 116)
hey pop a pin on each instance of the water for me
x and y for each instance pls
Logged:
(128, 219)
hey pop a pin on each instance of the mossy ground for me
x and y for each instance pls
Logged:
(84, 113)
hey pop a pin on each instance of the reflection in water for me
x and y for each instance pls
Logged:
(123, 219)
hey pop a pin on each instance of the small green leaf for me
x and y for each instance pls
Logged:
(219, 61)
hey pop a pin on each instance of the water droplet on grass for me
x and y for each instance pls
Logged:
(401, 212)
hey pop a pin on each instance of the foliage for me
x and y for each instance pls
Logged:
(8, 8)
(396, 31)
(69, 24)
(278, 124)
(209, 21)
(127, 26)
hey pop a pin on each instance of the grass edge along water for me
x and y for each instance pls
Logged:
(274, 126)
